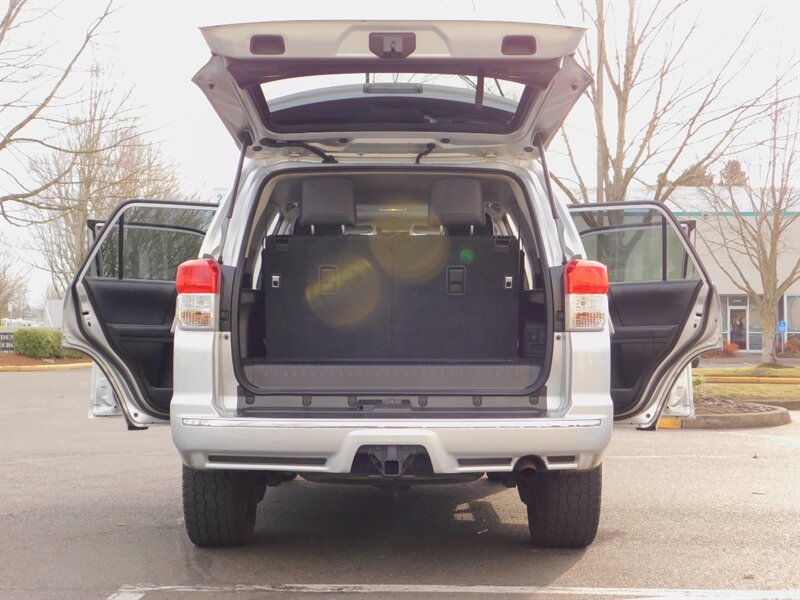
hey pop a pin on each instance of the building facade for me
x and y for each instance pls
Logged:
(741, 314)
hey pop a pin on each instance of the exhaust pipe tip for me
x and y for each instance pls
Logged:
(527, 468)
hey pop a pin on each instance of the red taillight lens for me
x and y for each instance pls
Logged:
(585, 277)
(585, 301)
(200, 276)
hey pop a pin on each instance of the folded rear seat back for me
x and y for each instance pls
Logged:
(332, 297)
(325, 297)
(456, 296)
(329, 301)
(467, 308)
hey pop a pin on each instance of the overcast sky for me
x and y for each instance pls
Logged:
(156, 47)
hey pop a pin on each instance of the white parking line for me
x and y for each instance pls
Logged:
(136, 592)
(678, 456)
(126, 596)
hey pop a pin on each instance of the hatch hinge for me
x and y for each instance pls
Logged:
(428, 149)
(326, 158)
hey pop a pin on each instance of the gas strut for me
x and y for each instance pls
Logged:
(247, 140)
(539, 142)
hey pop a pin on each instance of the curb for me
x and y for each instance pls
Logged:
(787, 404)
(54, 367)
(726, 379)
(772, 418)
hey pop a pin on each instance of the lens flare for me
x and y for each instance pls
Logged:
(355, 294)
(420, 261)
(466, 255)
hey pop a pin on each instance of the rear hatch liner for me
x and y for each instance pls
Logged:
(377, 87)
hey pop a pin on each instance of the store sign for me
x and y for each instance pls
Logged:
(737, 301)
(6, 341)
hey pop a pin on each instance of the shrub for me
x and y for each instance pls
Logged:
(727, 351)
(730, 349)
(64, 353)
(791, 347)
(41, 343)
(36, 343)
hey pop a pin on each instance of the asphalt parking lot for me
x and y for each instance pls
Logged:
(92, 511)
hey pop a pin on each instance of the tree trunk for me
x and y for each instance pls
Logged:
(602, 157)
(769, 318)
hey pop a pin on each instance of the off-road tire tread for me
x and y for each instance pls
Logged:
(564, 511)
(218, 507)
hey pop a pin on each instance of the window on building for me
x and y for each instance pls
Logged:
(755, 331)
(723, 301)
(792, 315)
(737, 321)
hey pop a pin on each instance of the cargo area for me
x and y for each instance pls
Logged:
(391, 281)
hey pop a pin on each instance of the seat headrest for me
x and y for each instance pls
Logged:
(327, 201)
(456, 201)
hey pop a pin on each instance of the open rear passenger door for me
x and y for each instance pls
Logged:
(664, 308)
(121, 304)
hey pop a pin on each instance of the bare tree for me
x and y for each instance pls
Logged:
(32, 88)
(644, 74)
(13, 284)
(752, 232)
(696, 176)
(732, 173)
(110, 161)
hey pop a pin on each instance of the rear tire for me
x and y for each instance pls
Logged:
(564, 507)
(219, 507)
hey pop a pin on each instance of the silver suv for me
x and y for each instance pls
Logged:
(392, 295)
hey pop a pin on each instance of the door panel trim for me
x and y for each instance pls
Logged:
(642, 380)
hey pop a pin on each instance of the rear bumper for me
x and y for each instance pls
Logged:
(329, 446)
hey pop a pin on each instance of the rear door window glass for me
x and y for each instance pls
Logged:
(635, 244)
(149, 242)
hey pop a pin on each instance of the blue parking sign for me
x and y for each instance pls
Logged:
(781, 326)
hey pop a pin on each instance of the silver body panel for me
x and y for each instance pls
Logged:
(577, 413)
(203, 405)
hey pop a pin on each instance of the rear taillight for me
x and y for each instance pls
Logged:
(198, 287)
(200, 276)
(585, 288)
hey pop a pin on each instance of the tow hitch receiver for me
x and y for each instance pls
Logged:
(393, 461)
(393, 468)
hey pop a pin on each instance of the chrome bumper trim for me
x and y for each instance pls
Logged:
(390, 424)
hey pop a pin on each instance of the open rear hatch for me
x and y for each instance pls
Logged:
(355, 88)
(392, 287)
(343, 90)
